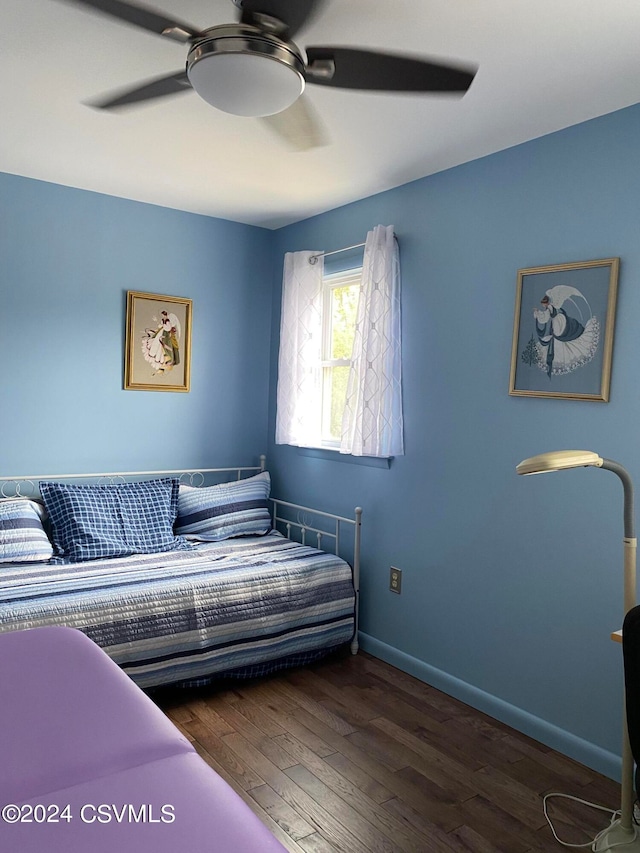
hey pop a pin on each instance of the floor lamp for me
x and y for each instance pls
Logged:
(622, 835)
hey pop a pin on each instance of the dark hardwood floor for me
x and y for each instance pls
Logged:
(355, 756)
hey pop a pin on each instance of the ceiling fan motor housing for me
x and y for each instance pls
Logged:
(244, 71)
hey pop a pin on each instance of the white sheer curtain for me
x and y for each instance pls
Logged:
(372, 421)
(298, 418)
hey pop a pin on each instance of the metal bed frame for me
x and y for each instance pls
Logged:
(293, 520)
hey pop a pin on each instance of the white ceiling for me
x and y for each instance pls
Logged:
(544, 65)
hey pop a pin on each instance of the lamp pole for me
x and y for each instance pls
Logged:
(622, 834)
(625, 830)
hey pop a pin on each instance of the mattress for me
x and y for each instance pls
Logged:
(184, 615)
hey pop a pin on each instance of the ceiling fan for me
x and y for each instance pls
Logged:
(253, 68)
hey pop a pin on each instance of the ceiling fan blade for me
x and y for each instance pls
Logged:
(298, 126)
(294, 14)
(386, 72)
(157, 88)
(141, 16)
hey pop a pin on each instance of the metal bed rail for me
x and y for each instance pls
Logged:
(307, 521)
(26, 485)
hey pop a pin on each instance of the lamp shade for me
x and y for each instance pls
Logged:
(245, 84)
(245, 72)
(558, 460)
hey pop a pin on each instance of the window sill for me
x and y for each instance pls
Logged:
(335, 456)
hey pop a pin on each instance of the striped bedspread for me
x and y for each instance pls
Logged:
(182, 615)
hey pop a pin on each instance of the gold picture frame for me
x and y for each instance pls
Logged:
(563, 330)
(158, 342)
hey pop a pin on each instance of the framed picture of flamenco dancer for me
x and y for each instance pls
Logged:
(563, 331)
(158, 342)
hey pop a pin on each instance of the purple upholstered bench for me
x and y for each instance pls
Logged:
(88, 764)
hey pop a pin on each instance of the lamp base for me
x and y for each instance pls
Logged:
(618, 839)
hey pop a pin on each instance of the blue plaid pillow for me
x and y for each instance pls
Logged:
(22, 536)
(92, 522)
(219, 512)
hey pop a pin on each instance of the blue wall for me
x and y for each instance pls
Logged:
(67, 259)
(511, 585)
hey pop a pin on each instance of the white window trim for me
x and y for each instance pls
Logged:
(330, 282)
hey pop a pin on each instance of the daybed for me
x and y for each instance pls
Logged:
(220, 592)
(89, 763)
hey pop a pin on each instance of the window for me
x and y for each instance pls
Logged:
(339, 364)
(339, 307)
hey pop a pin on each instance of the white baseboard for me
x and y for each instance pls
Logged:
(586, 753)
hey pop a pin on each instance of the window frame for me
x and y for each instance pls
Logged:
(331, 282)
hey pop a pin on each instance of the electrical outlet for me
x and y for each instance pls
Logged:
(395, 580)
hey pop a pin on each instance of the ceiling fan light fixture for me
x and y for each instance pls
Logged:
(245, 74)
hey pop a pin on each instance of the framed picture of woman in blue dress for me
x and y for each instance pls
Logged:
(158, 342)
(563, 330)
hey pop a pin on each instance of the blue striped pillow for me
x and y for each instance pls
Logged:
(22, 536)
(93, 522)
(219, 512)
